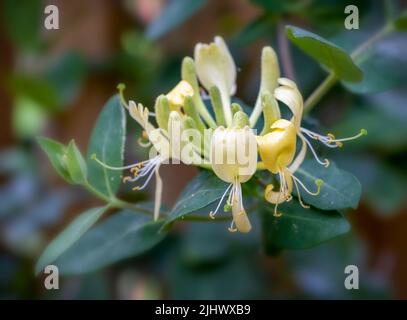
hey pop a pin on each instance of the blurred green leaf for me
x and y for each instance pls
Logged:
(22, 20)
(198, 245)
(384, 65)
(56, 152)
(68, 237)
(340, 190)
(200, 192)
(217, 281)
(75, 163)
(299, 228)
(175, 13)
(326, 53)
(107, 143)
(384, 185)
(263, 26)
(37, 89)
(67, 76)
(29, 118)
(319, 272)
(401, 22)
(126, 234)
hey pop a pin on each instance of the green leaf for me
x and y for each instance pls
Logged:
(218, 281)
(75, 163)
(55, 152)
(68, 237)
(22, 21)
(401, 22)
(198, 246)
(326, 53)
(299, 228)
(384, 66)
(126, 234)
(260, 27)
(340, 189)
(107, 143)
(203, 190)
(35, 88)
(67, 76)
(384, 185)
(175, 13)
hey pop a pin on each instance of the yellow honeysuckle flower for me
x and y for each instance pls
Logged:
(234, 148)
(146, 169)
(227, 149)
(164, 139)
(289, 94)
(277, 148)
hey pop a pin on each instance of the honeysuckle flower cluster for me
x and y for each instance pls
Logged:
(223, 137)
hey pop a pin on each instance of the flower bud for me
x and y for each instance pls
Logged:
(215, 67)
(162, 112)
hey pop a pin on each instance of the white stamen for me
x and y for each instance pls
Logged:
(118, 168)
(299, 196)
(329, 140)
(146, 182)
(232, 227)
(146, 169)
(324, 163)
(305, 188)
(213, 213)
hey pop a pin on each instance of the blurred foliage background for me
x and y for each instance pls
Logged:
(55, 82)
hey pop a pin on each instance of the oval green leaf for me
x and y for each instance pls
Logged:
(55, 152)
(124, 235)
(75, 163)
(401, 22)
(340, 190)
(68, 237)
(326, 53)
(107, 143)
(203, 190)
(299, 228)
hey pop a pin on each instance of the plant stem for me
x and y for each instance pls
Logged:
(369, 42)
(332, 79)
(96, 192)
(320, 91)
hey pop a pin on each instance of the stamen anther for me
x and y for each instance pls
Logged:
(126, 179)
(277, 214)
